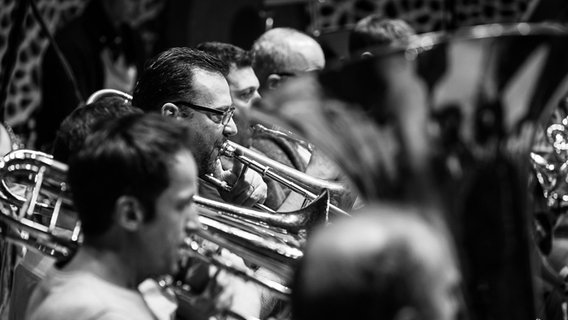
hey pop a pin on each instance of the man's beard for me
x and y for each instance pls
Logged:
(206, 155)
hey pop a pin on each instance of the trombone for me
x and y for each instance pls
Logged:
(299, 182)
(36, 205)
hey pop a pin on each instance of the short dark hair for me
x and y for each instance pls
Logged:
(367, 277)
(354, 299)
(228, 53)
(125, 156)
(170, 74)
(79, 124)
(376, 30)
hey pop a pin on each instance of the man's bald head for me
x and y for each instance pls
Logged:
(285, 52)
(385, 263)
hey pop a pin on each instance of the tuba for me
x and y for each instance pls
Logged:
(100, 94)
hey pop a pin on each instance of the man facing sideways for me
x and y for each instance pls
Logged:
(242, 80)
(375, 32)
(241, 77)
(244, 92)
(284, 52)
(385, 263)
(70, 137)
(190, 85)
(278, 55)
(133, 184)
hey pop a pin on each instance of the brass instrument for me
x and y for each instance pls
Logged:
(288, 135)
(35, 203)
(99, 94)
(42, 217)
(291, 222)
(299, 182)
(272, 241)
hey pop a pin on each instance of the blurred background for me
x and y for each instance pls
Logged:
(167, 23)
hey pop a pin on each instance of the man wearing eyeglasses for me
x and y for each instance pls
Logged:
(242, 82)
(190, 85)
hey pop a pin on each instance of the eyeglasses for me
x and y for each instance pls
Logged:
(222, 117)
(296, 73)
(286, 74)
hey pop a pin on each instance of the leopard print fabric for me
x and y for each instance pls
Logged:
(423, 15)
(24, 93)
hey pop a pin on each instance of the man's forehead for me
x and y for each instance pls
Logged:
(211, 89)
(200, 75)
(242, 78)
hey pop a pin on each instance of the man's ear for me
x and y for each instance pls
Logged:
(170, 110)
(129, 213)
(273, 81)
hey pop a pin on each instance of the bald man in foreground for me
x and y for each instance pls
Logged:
(386, 263)
(284, 52)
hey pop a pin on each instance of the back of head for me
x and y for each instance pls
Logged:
(79, 124)
(169, 76)
(125, 156)
(285, 50)
(231, 54)
(377, 31)
(373, 266)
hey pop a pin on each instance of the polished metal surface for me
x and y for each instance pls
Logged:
(36, 203)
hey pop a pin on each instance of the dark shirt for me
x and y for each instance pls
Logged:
(81, 42)
(285, 152)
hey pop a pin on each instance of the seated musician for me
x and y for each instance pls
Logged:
(376, 31)
(281, 53)
(193, 88)
(190, 85)
(244, 92)
(385, 263)
(242, 81)
(133, 184)
(69, 139)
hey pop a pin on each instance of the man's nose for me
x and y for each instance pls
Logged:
(230, 128)
(256, 97)
(193, 224)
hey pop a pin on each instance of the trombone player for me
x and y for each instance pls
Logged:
(133, 184)
(190, 85)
